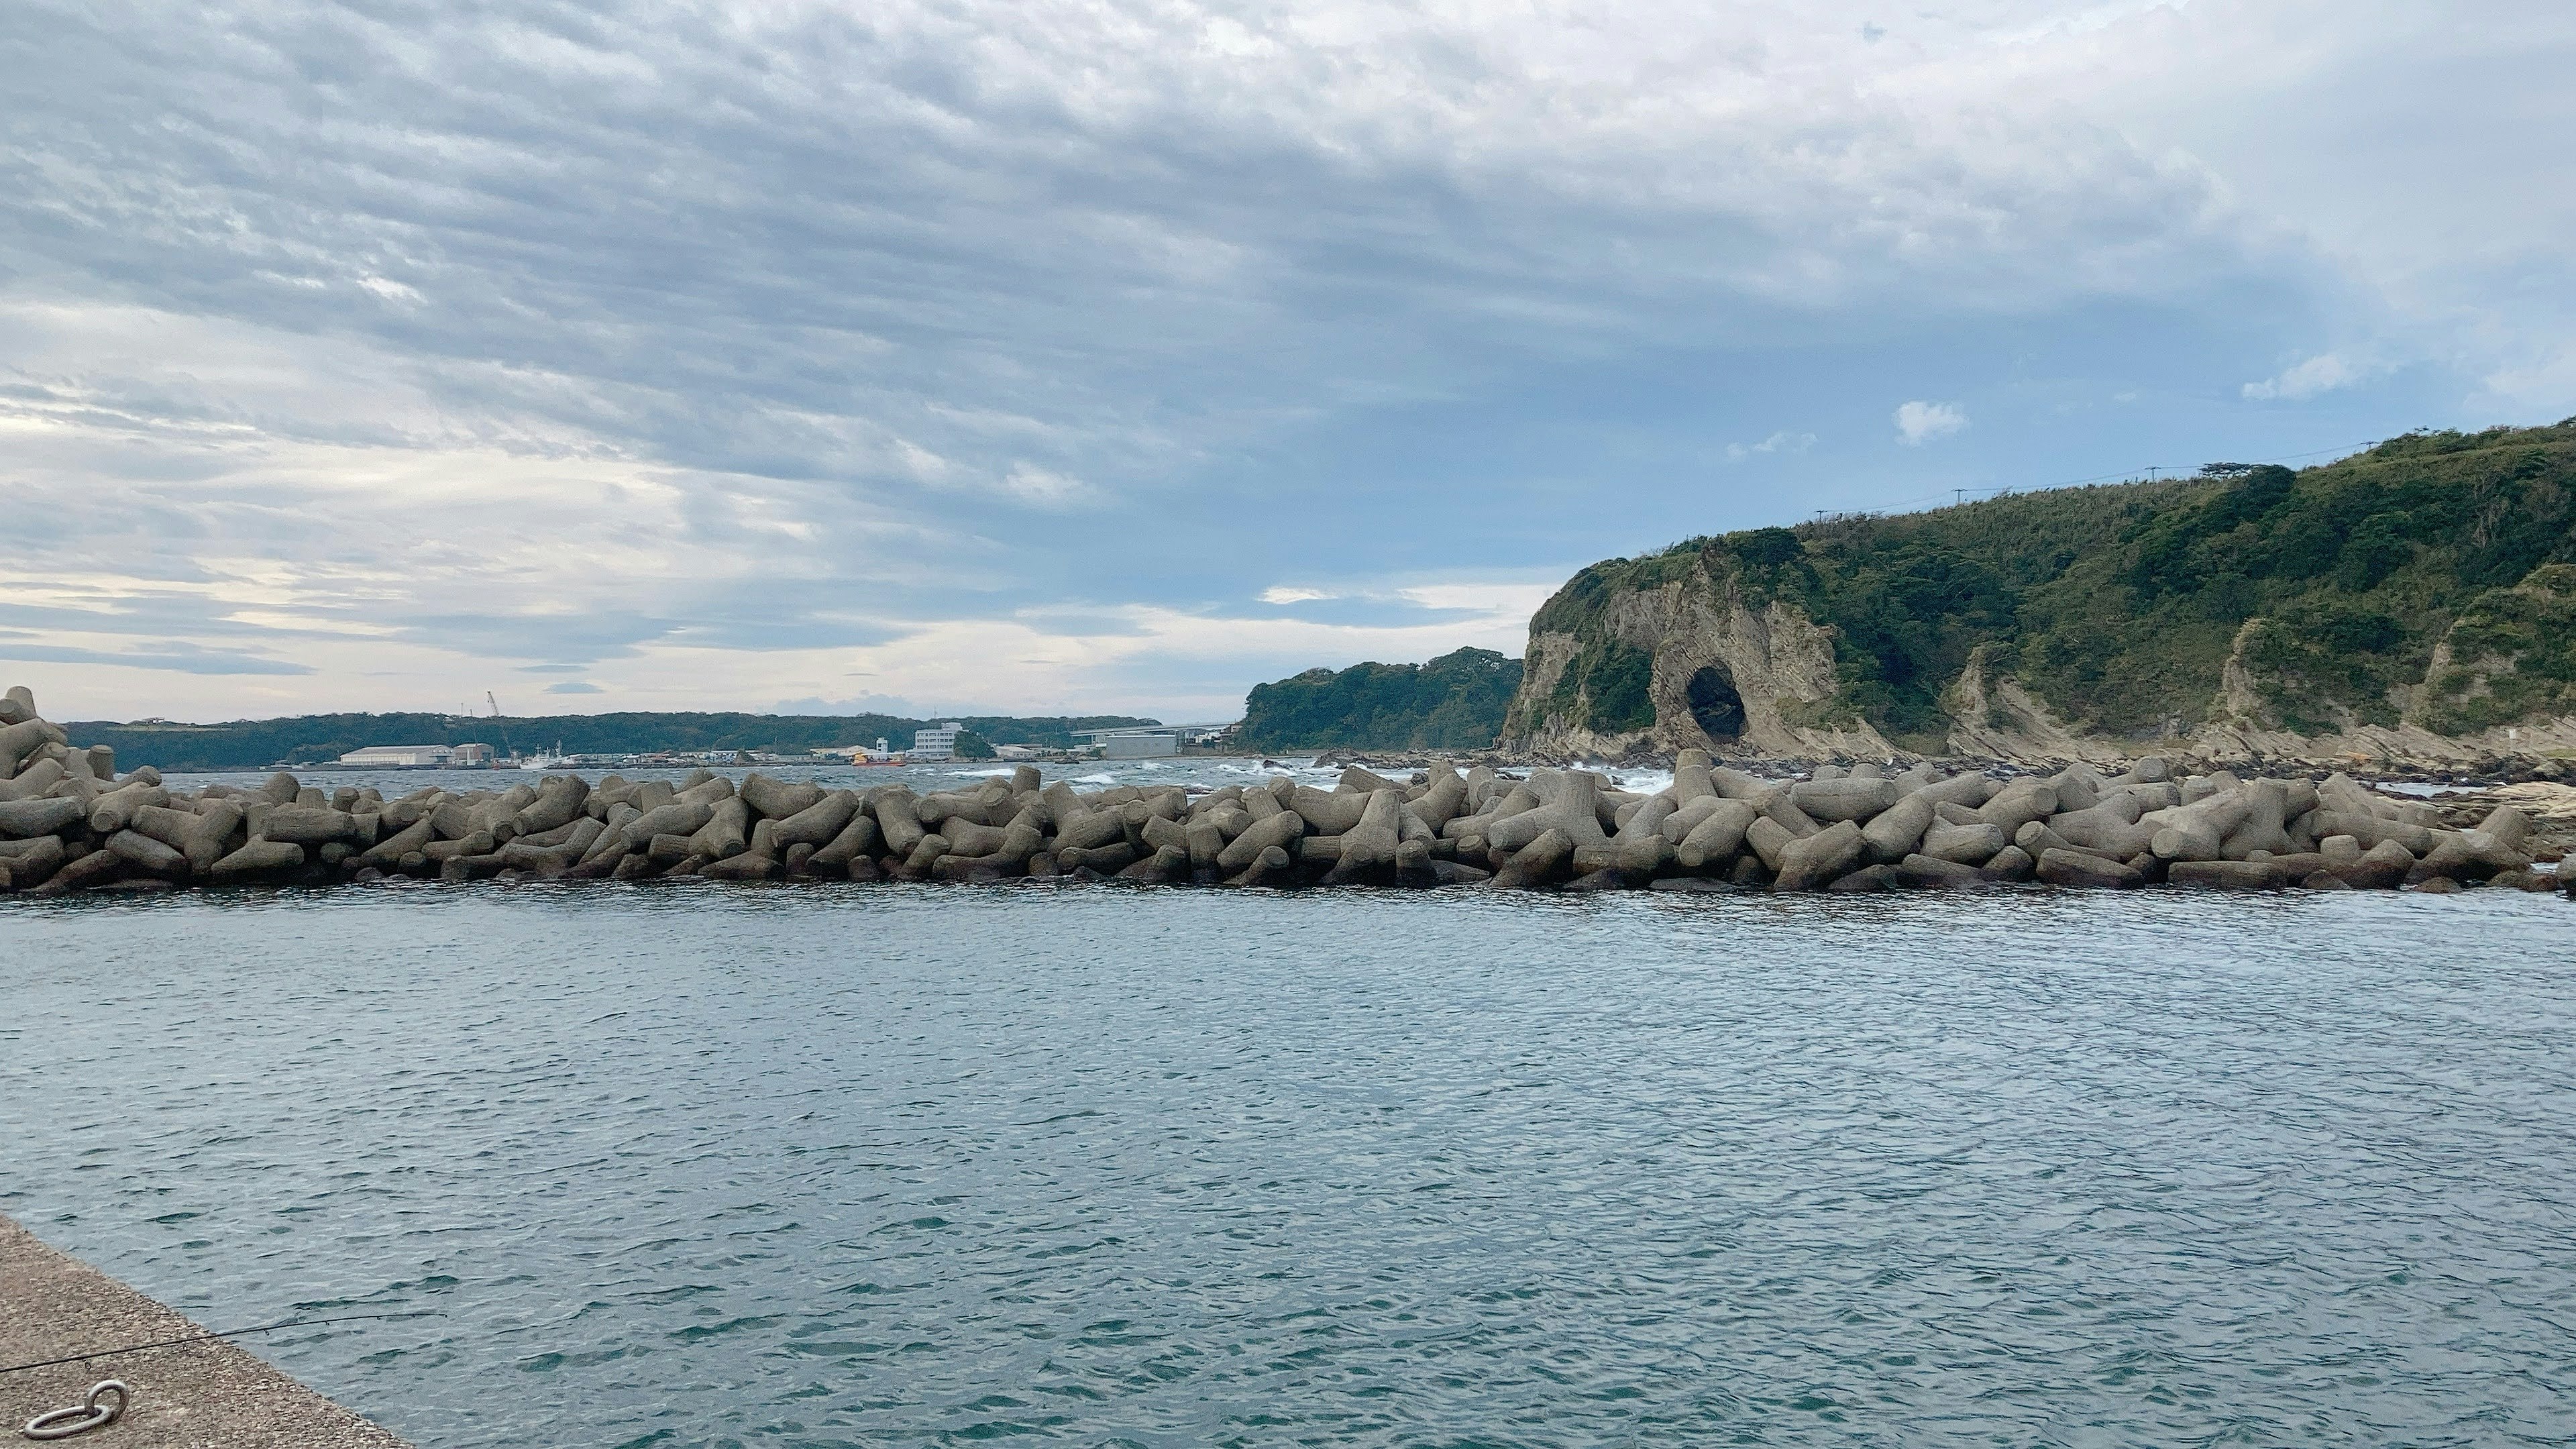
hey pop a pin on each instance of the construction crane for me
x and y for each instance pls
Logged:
(496, 722)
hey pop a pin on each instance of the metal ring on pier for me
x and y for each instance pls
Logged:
(82, 1417)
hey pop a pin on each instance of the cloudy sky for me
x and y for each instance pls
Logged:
(1039, 355)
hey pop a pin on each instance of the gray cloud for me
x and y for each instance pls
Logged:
(442, 340)
(180, 657)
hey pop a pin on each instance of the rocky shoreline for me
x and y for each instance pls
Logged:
(69, 823)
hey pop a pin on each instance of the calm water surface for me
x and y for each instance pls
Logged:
(686, 1165)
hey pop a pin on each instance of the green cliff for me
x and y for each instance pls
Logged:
(1455, 702)
(2415, 599)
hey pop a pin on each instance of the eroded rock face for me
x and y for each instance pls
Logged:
(1721, 674)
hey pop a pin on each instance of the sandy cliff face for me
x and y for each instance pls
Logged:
(1723, 675)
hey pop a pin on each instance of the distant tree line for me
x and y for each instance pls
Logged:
(319, 738)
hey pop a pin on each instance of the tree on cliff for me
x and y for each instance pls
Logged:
(1455, 702)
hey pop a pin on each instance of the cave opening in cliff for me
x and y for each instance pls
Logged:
(1715, 704)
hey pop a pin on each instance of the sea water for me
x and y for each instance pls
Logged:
(1110, 1165)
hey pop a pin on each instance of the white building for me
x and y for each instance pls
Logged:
(1139, 746)
(401, 756)
(936, 743)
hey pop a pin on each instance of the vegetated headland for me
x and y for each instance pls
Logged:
(2414, 604)
(69, 823)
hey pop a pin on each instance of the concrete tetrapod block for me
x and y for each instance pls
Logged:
(2509, 826)
(2373, 830)
(1088, 830)
(1778, 808)
(2382, 867)
(2078, 787)
(2226, 875)
(1328, 812)
(745, 866)
(777, 799)
(1267, 864)
(36, 862)
(305, 825)
(1968, 845)
(211, 837)
(2266, 823)
(1769, 842)
(559, 802)
(20, 740)
(32, 782)
(1207, 841)
(819, 823)
(1868, 880)
(2012, 863)
(1569, 801)
(1895, 832)
(2198, 830)
(2077, 869)
(1156, 831)
(23, 819)
(1108, 859)
(258, 860)
(1277, 830)
(1605, 879)
(1647, 818)
(18, 705)
(2110, 827)
(1368, 847)
(147, 854)
(926, 852)
(1413, 865)
(1453, 873)
(478, 843)
(1852, 799)
(1926, 872)
(965, 837)
(857, 841)
(1808, 864)
(85, 870)
(116, 809)
(2468, 855)
(727, 831)
(1686, 816)
(1537, 863)
(1166, 864)
(2018, 803)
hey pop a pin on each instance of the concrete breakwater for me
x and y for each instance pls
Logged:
(198, 1392)
(69, 822)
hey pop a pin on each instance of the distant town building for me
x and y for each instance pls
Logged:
(1146, 742)
(472, 756)
(936, 743)
(1138, 747)
(406, 757)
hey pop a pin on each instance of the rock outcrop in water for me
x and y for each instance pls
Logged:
(69, 822)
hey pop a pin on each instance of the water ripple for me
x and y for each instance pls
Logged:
(893, 1165)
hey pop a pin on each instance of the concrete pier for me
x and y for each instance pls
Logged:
(197, 1396)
